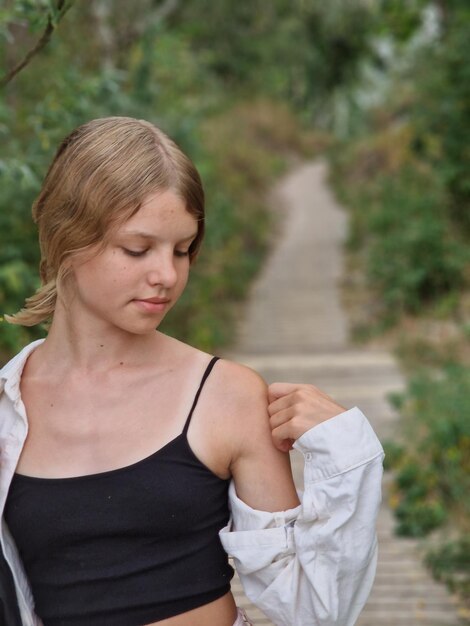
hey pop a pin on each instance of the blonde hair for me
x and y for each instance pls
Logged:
(100, 176)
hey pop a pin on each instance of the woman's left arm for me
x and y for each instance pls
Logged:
(312, 564)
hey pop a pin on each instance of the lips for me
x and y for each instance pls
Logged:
(152, 305)
(154, 300)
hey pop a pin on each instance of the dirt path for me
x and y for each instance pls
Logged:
(296, 330)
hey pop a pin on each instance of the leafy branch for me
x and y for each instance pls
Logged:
(56, 13)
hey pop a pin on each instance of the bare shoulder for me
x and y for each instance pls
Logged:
(241, 388)
(237, 398)
(261, 472)
(243, 394)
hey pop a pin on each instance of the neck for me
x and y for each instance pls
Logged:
(95, 347)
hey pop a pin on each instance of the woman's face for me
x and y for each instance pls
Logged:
(142, 271)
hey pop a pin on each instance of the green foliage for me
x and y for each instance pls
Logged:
(178, 64)
(450, 563)
(442, 110)
(432, 470)
(403, 171)
(393, 454)
(134, 74)
(412, 257)
(417, 512)
(406, 177)
(238, 225)
(342, 35)
(400, 19)
(14, 22)
(34, 12)
(66, 92)
(301, 50)
(410, 251)
(26, 159)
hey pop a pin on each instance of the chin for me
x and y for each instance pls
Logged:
(138, 325)
(142, 330)
(147, 328)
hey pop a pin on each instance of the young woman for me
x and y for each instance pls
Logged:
(132, 463)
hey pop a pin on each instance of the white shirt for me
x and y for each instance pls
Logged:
(309, 566)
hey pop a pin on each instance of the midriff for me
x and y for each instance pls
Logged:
(221, 612)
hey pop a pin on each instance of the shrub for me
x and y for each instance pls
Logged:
(412, 256)
(450, 563)
(442, 112)
(433, 470)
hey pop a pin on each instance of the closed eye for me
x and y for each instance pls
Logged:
(181, 253)
(134, 253)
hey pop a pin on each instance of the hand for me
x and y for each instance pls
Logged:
(295, 408)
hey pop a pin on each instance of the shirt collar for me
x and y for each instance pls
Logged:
(10, 374)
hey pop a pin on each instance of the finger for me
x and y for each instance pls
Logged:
(297, 398)
(281, 438)
(277, 390)
(282, 403)
(302, 391)
(303, 395)
(293, 425)
(281, 417)
(285, 446)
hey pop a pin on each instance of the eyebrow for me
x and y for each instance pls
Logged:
(148, 236)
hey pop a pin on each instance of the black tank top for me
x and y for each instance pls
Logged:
(124, 547)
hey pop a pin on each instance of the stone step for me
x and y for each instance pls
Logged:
(395, 617)
(406, 566)
(346, 359)
(411, 604)
(425, 590)
(394, 578)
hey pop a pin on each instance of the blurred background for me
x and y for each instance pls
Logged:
(378, 88)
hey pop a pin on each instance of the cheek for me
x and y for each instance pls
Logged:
(97, 276)
(184, 277)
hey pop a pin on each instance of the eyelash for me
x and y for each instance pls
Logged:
(134, 253)
(140, 253)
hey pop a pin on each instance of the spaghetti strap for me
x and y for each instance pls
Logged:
(212, 362)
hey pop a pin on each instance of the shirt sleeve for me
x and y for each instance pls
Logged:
(314, 565)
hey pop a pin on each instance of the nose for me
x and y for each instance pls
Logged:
(162, 271)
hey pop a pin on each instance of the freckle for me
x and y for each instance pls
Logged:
(121, 363)
(101, 345)
(52, 404)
